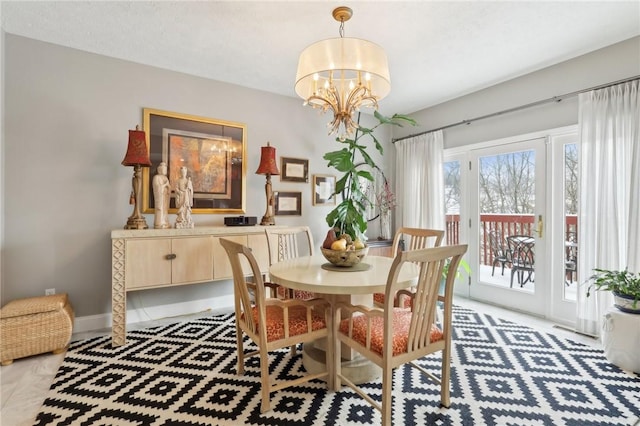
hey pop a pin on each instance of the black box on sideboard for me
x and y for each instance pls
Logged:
(240, 220)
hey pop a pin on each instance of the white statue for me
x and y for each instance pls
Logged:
(161, 195)
(184, 200)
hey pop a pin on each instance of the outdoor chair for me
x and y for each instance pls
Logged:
(411, 239)
(272, 323)
(391, 336)
(499, 250)
(522, 249)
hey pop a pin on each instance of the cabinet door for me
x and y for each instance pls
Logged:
(193, 260)
(221, 266)
(146, 264)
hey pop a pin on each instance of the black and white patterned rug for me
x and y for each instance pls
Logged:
(184, 374)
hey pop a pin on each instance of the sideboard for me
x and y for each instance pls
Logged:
(155, 258)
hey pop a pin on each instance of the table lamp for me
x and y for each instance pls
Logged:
(268, 167)
(137, 156)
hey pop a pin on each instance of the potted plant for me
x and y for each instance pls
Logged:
(354, 162)
(462, 265)
(624, 285)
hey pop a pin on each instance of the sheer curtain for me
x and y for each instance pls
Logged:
(420, 182)
(609, 231)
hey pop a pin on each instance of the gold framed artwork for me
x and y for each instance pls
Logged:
(212, 150)
(323, 190)
(288, 203)
(294, 169)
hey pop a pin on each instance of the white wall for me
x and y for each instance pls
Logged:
(619, 61)
(68, 114)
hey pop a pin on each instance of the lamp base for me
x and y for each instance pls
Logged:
(136, 223)
(268, 220)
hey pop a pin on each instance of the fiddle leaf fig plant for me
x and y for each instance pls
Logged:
(353, 161)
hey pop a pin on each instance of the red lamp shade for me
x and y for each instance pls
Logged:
(137, 153)
(268, 161)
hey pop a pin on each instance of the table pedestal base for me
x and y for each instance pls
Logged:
(359, 370)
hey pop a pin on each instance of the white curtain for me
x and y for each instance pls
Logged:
(609, 221)
(420, 182)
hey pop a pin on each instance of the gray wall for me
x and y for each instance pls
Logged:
(618, 61)
(68, 114)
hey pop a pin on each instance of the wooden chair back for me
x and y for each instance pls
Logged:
(410, 239)
(287, 243)
(417, 333)
(272, 323)
(416, 238)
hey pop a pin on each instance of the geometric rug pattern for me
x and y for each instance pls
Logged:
(184, 374)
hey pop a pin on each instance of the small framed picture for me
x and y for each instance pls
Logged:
(288, 203)
(323, 190)
(294, 169)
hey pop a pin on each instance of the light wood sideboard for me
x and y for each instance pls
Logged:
(156, 258)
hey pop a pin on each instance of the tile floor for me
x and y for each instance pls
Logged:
(25, 383)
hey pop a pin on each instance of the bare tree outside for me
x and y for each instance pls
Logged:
(452, 187)
(507, 183)
(571, 178)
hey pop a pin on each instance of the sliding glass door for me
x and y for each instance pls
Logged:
(515, 202)
(507, 219)
(565, 244)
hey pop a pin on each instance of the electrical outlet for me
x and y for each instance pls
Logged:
(49, 291)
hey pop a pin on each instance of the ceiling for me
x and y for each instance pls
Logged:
(437, 50)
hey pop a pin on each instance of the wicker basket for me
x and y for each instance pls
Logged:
(35, 325)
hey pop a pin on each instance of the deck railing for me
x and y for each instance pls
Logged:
(506, 224)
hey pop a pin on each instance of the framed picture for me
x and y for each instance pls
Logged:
(213, 151)
(323, 190)
(288, 203)
(294, 169)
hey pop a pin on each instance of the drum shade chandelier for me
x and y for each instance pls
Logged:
(343, 74)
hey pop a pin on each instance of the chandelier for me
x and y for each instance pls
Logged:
(343, 74)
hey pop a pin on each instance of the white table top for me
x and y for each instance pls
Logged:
(306, 273)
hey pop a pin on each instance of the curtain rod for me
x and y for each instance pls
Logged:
(521, 107)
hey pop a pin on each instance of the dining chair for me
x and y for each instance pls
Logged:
(391, 336)
(522, 249)
(272, 323)
(411, 239)
(499, 250)
(288, 243)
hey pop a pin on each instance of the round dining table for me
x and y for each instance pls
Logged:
(354, 285)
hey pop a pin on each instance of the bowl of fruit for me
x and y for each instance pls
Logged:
(343, 250)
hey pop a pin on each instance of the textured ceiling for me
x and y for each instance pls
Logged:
(437, 50)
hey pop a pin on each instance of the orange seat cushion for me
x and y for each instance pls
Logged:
(297, 294)
(297, 321)
(379, 298)
(401, 323)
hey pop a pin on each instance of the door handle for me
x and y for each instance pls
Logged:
(539, 226)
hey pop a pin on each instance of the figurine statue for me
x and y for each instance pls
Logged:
(184, 200)
(161, 195)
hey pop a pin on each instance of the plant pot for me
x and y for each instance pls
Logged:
(625, 303)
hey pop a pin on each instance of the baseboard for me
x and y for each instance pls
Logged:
(222, 304)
